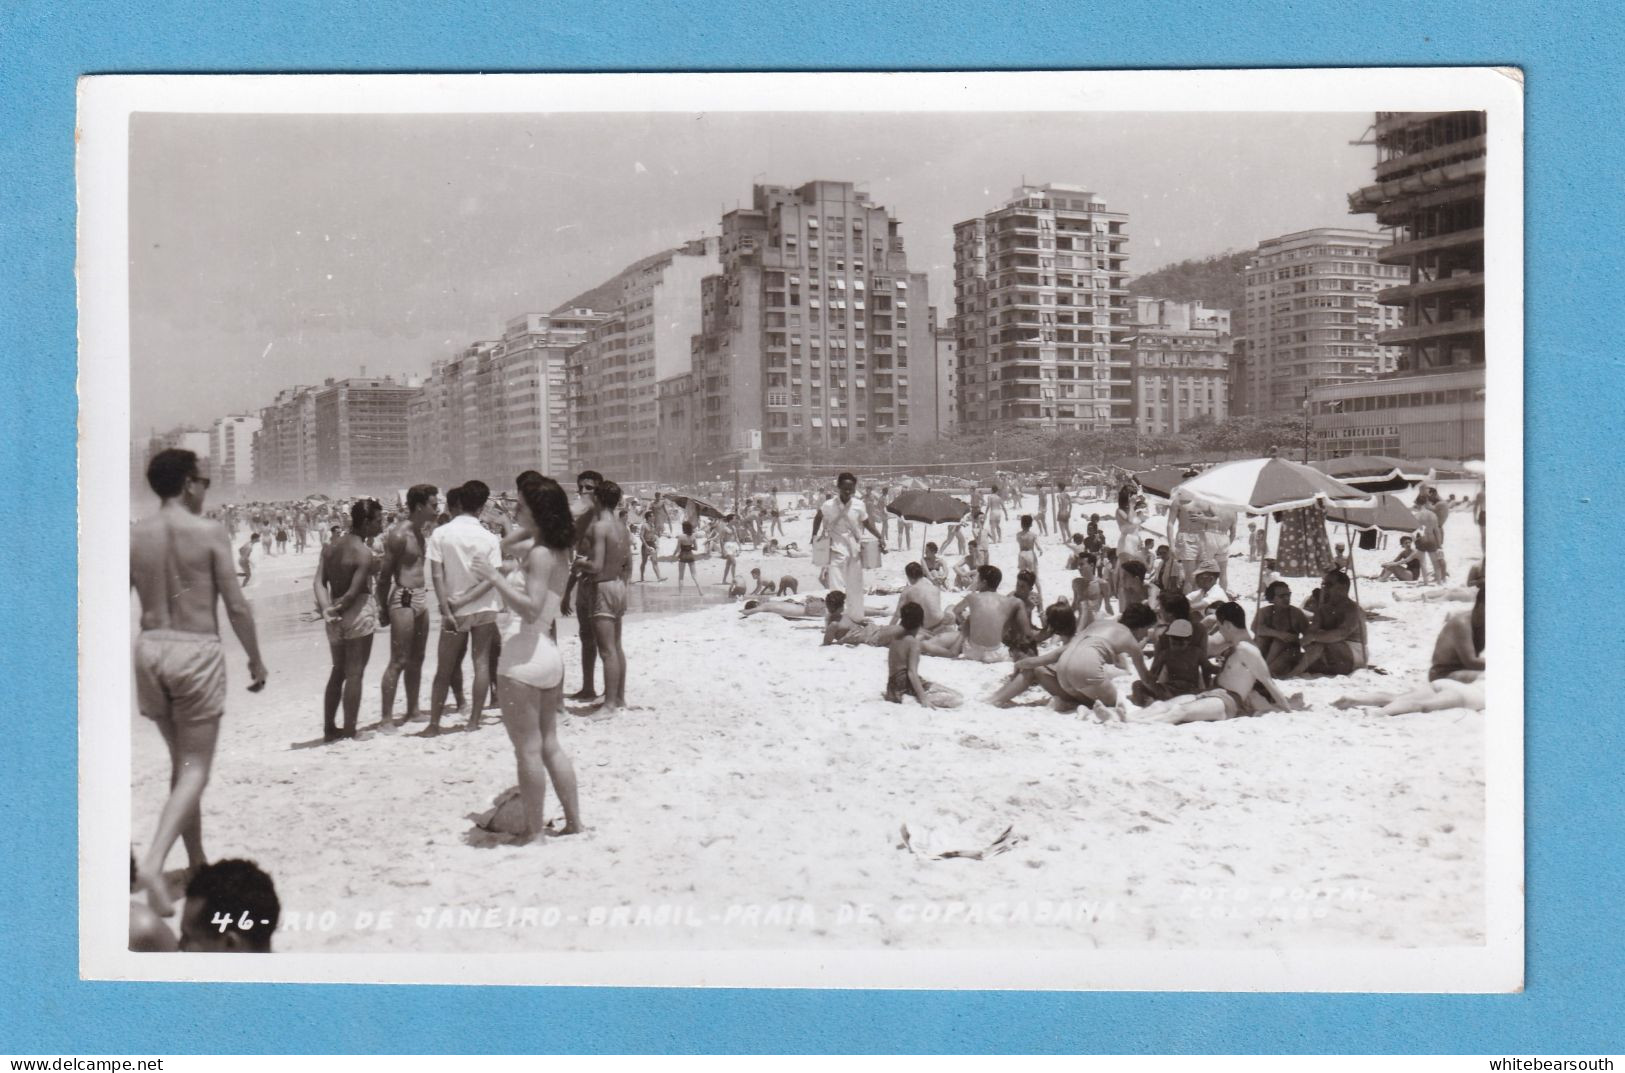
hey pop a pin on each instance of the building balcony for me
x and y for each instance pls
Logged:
(1405, 293)
(1413, 333)
(1401, 253)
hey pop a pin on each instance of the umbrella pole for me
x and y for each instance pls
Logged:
(1348, 535)
(1258, 594)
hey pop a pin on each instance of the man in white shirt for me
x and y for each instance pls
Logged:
(843, 518)
(451, 551)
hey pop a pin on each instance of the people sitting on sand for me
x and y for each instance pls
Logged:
(1243, 685)
(1207, 591)
(1278, 629)
(1406, 566)
(903, 666)
(1020, 636)
(1341, 559)
(980, 622)
(965, 570)
(231, 908)
(1177, 665)
(935, 568)
(921, 591)
(1335, 641)
(1081, 671)
(1134, 589)
(1455, 680)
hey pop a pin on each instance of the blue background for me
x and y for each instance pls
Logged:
(1571, 55)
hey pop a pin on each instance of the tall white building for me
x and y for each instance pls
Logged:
(231, 449)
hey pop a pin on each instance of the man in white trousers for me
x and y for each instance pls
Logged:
(843, 518)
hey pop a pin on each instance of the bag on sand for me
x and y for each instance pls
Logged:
(506, 816)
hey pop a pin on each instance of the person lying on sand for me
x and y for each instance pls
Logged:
(1439, 695)
(982, 618)
(1080, 671)
(1243, 686)
(802, 607)
(903, 666)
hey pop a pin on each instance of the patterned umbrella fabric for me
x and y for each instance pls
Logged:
(1386, 513)
(928, 507)
(1266, 485)
(706, 508)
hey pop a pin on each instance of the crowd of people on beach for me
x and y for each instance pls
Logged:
(1146, 632)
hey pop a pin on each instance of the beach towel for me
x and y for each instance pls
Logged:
(931, 843)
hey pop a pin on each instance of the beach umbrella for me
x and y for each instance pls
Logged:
(1161, 480)
(702, 506)
(1264, 486)
(928, 507)
(1373, 473)
(1386, 512)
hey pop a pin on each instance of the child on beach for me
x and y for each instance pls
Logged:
(761, 587)
(903, 666)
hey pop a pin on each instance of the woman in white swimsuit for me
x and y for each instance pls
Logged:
(531, 670)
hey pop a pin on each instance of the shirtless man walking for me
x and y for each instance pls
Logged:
(609, 564)
(346, 606)
(403, 598)
(180, 565)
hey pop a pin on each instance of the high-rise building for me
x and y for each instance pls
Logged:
(1181, 355)
(652, 310)
(360, 428)
(1430, 193)
(499, 407)
(285, 444)
(1042, 321)
(1313, 317)
(947, 377)
(231, 449)
(815, 333)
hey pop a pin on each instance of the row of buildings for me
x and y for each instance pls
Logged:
(803, 326)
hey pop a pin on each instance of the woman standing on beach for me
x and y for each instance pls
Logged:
(530, 667)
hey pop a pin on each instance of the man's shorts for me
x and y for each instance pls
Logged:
(1339, 657)
(974, 651)
(362, 621)
(466, 623)
(609, 600)
(180, 677)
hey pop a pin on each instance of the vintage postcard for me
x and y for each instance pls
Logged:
(952, 530)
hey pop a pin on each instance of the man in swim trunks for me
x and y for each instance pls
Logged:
(583, 510)
(981, 621)
(921, 590)
(403, 600)
(1063, 512)
(180, 567)
(345, 601)
(609, 565)
(995, 514)
(1335, 642)
(649, 546)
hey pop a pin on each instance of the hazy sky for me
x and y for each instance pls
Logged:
(272, 250)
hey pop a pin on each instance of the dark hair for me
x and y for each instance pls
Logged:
(1125, 497)
(588, 475)
(549, 511)
(992, 575)
(528, 475)
(169, 471)
(238, 890)
(1061, 619)
(419, 494)
(1137, 617)
(931, 545)
(914, 571)
(1176, 604)
(363, 511)
(1335, 577)
(1026, 521)
(835, 598)
(475, 494)
(1274, 586)
(688, 528)
(845, 477)
(1162, 548)
(911, 617)
(1477, 620)
(1231, 612)
(608, 494)
(1135, 568)
(1026, 577)
(454, 499)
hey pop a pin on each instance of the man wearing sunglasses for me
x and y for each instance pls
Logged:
(181, 566)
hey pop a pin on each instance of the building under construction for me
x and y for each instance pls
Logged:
(1430, 193)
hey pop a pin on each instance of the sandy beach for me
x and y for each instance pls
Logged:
(756, 797)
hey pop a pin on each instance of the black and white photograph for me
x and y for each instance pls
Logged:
(1021, 530)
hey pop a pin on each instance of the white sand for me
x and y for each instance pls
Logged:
(764, 771)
